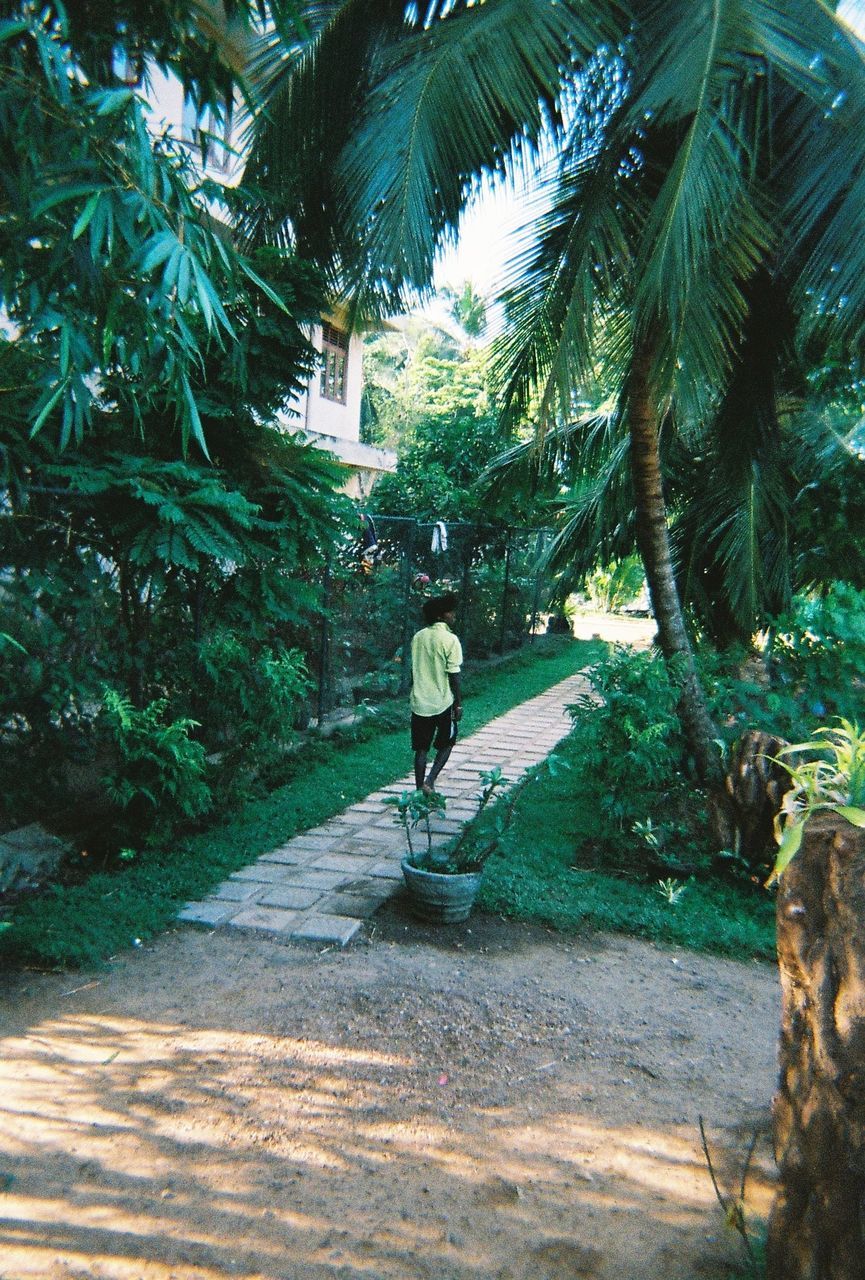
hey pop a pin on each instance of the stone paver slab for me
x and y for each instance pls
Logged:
(209, 912)
(367, 886)
(267, 919)
(355, 817)
(263, 872)
(314, 840)
(341, 862)
(290, 856)
(327, 928)
(315, 878)
(360, 906)
(386, 871)
(236, 890)
(291, 897)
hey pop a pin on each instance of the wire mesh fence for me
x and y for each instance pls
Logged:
(372, 594)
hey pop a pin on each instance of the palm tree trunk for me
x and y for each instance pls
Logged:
(817, 1224)
(653, 542)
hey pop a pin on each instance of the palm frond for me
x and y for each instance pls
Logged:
(569, 280)
(709, 225)
(824, 178)
(309, 93)
(467, 95)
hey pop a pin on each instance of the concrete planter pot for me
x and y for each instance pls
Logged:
(440, 898)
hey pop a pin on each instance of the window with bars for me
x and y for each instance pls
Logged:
(334, 363)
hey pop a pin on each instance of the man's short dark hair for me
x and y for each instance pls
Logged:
(434, 610)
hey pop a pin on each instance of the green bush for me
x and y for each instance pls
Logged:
(818, 651)
(638, 804)
(246, 697)
(548, 873)
(158, 778)
(612, 586)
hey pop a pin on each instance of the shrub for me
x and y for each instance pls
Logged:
(818, 649)
(158, 779)
(246, 696)
(640, 805)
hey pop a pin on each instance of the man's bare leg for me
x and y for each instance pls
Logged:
(438, 764)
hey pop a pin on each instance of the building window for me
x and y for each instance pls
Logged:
(209, 131)
(334, 361)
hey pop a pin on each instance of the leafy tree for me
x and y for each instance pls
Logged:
(147, 508)
(440, 410)
(468, 309)
(115, 273)
(749, 527)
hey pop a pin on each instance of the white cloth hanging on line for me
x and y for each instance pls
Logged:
(439, 537)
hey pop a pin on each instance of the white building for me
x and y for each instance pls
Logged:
(328, 413)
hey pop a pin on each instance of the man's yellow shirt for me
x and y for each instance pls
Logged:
(436, 653)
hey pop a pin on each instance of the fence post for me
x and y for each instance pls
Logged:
(405, 645)
(505, 595)
(324, 642)
(465, 583)
(536, 596)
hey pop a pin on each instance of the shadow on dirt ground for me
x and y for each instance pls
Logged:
(482, 1102)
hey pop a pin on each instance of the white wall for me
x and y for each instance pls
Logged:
(165, 101)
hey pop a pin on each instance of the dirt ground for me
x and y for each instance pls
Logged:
(479, 1102)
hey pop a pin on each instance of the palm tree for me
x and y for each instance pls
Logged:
(697, 148)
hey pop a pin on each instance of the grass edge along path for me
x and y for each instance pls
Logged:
(83, 924)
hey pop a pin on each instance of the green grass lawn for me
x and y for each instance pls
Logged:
(82, 924)
(537, 880)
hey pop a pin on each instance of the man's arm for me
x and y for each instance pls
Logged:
(454, 682)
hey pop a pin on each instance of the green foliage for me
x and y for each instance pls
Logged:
(115, 278)
(148, 505)
(250, 695)
(437, 407)
(124, 569)
(486, 630)
(412, 810)
(633, 758)
(481, 835)
(833, 779)
(51, 680)
(616, 584)
(467, 309)
(366, 614)
(543, 874)
(159, 773)
(818, 649)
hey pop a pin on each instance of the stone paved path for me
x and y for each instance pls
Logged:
(323, 884)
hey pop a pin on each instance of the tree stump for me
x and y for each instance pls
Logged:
(817, 1223)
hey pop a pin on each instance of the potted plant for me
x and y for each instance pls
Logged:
(443, 881)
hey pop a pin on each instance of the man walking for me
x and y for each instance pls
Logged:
(436, 708)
